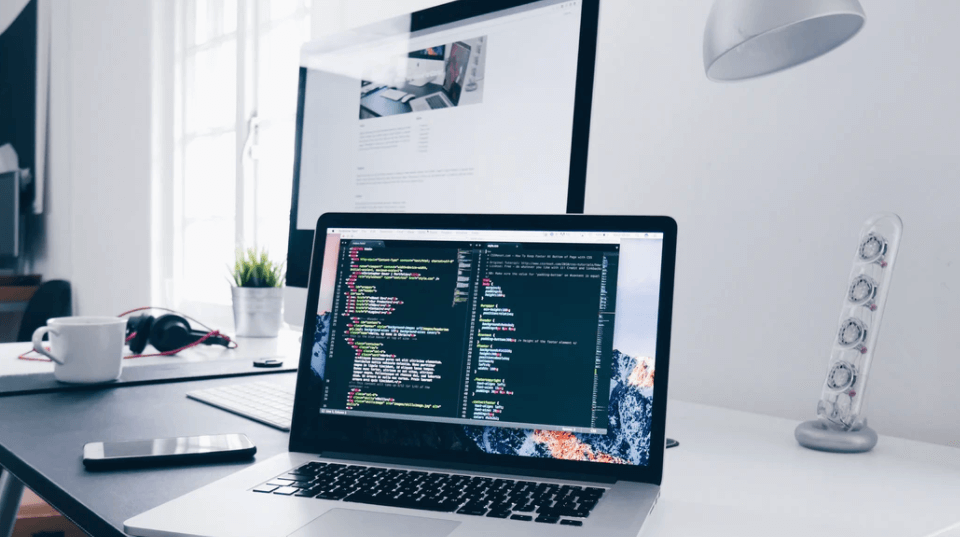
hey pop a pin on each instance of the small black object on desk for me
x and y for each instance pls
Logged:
(267, 362)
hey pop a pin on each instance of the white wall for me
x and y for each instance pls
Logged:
(770, 181)
(97, 213)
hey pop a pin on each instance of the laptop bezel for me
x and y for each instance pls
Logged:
(652, 473)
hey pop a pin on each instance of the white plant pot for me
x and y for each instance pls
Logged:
(257, 311)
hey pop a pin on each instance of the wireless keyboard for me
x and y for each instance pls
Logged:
(268, 402)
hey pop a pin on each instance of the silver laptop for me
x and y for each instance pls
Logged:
(454, 73)
(465, 375)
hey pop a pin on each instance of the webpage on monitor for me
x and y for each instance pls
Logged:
(450, 119)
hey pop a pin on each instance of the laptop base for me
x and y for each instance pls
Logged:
(229, 508)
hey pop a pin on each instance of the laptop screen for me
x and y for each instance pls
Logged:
(519, 343)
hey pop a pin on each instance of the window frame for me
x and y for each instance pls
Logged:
(175, 25)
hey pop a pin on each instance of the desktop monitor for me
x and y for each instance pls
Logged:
(476, 106)
(426, 65)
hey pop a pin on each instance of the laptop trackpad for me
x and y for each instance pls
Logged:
(350, 522)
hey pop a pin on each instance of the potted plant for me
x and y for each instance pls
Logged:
(257, 294)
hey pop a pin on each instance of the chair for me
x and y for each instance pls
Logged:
(52, 299)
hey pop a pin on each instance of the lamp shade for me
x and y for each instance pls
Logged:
(749, 38)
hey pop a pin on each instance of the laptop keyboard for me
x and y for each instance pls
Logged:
(436, 102)
(549, 503)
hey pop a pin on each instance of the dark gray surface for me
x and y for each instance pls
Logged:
(144, 374)
(42, 438)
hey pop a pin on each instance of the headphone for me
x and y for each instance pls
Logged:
(168, 333)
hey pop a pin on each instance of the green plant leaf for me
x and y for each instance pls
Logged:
(253, 268)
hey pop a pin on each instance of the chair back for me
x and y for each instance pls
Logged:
(52, 299)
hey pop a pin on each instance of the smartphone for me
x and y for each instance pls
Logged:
(167, 451)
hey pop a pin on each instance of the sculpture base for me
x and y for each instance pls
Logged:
(814, 434)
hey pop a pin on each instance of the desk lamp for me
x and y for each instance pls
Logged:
(750, 38)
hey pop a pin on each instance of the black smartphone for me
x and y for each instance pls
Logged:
(167, 451)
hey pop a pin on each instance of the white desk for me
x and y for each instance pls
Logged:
(741, 474)
(285, 347)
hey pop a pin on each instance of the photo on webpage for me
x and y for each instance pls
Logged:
(433, 78)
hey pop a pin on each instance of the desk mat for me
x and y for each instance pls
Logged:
(145, 374)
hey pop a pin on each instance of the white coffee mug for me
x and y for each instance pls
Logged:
(84, 349)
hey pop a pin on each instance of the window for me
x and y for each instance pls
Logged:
(236, 66)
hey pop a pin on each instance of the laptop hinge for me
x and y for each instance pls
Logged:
(472, 468)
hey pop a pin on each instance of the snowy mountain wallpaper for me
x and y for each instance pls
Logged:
(628, 440)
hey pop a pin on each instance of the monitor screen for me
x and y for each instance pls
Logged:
(514, 343)
(469, 107)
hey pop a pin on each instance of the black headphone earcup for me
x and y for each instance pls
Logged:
(170, 332)
(139, 325)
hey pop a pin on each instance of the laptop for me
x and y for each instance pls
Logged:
(465, 375)
(455, 70)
